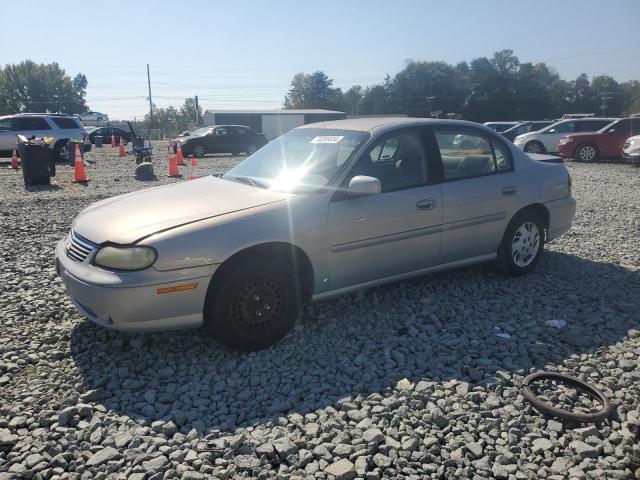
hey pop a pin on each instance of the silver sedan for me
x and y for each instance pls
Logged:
(325, 209)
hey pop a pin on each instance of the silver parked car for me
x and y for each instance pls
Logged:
(323, 210)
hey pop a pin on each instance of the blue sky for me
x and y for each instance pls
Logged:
(243, 53)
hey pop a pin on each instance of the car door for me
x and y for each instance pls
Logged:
(392, 232)
(614, 138)
(479, 191)
(218, 140)
(7, 135)
(551, 138)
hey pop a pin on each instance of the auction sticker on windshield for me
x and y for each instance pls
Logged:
(327, 139)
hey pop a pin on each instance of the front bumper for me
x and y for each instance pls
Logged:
(565, 150)
(131, 306)
(561, 213)
(631, 154)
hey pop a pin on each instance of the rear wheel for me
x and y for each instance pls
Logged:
(522, 244)
(198, 151)
(253, 304)
(587, 152)
(60, 151)
(534, 147)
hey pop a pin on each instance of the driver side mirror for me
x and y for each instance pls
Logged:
(362, 185)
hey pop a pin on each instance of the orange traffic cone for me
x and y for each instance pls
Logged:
(14, 160)
(173, 167)
(121, 148)
(194, 167)
(179, 158)
(80, 175)
(113, 141)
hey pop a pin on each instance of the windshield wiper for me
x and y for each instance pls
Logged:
(251, 181)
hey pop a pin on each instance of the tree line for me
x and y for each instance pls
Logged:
(496, 88)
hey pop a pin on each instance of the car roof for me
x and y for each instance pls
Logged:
(371, 124)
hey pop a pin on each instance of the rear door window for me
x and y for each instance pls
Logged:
(623, 127)
(467, 153)
(65, 123)
(31, 123)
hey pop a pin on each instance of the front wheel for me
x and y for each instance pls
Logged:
(522, 244)
(586, 152)
(253, 305)
(534, 147)
(251, 149)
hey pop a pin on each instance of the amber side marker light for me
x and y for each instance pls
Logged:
(178, 288)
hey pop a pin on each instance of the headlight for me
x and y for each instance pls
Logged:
(634, 142)
(125, 258)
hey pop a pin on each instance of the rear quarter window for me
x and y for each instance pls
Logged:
(65, 123)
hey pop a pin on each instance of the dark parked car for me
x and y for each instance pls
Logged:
(526, 127)
(234, 139)
(106, 133)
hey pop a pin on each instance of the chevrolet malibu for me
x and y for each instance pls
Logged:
(323, 210)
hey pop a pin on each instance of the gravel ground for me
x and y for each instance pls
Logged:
(409, 380)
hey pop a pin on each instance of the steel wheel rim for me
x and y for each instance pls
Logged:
(63, 152)
(587, 153)
(525, 244)
(199, 151)
(258, 303)
(251, 149)
(534, 148)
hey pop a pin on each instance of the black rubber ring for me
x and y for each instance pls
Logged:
(565, 414)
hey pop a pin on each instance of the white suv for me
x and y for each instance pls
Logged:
(546, 140)
(60, 126)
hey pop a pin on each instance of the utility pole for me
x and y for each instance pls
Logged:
(150, 105)
(197, 114)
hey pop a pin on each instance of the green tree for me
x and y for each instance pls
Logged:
(31, 87)
(313, 91)
(352, 100)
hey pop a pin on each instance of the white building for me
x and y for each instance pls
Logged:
(272, 123)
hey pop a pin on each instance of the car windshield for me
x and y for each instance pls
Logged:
(299, 161)
(608, 126)
(200, 132)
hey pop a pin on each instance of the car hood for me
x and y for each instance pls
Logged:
(524, 136)
(128, 218)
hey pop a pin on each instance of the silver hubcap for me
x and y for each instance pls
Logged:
(525, 244)
(199, 151)
(587, 153)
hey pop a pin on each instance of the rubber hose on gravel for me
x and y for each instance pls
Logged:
(548, 409)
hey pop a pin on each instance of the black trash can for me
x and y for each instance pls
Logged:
(97, 140)
(38, 163)
(70, 151)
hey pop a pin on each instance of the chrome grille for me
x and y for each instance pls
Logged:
(78, 248)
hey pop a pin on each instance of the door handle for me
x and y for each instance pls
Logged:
(509, 191)
(427, 204)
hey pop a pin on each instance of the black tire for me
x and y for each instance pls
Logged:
(234, 311)
(586, 152)
(251, 149)
(199, 151)
(534, 146)
(59, 152)
(552, 411)
(516, 264)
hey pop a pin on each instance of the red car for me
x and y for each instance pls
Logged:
(605, 143)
